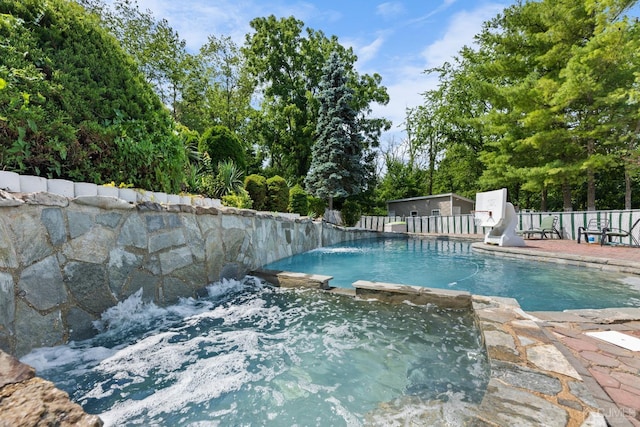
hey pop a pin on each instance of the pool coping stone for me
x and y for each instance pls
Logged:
(531, 383)
(289, 279)
(395, 293)
(602, 263)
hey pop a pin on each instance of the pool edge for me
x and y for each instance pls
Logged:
(601, 263)
(532, 382)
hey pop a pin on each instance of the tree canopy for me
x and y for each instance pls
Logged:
(286, 61)
(545, 103)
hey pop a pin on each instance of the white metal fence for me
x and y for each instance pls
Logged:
(459, 224)
(568, 222)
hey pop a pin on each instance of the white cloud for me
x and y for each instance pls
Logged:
(368, 52)
(199, 19)
(460, 32)
(390, 9)
(406, 81)
(405, 91)
(444, 6)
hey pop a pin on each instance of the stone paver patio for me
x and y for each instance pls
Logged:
(612, 373)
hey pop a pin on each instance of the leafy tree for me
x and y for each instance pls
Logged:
(277, 194)
(426, 127)
(276, 63)
(458, 171)
(256, 187)
(156, 47)
(217, 90)
(521, 153)
(552, 81)
(222, 145)
(400, 181)
(447, 129)
(230, 89)
(596, 91)
(337, 168)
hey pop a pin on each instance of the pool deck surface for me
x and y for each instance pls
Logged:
(611, 372)
(566, 246)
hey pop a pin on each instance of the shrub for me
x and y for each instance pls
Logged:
(298, 202)
(207, 185)
(221, 144)
(239, 199)
(351, 213)
(277, 194)
(256, 186)
(220, 181)
(316, 207)
(228, 179)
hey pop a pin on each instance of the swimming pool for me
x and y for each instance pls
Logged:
(250, 354)
(537, 286)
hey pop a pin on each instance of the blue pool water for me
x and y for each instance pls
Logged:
(453, 265)
(252, 355)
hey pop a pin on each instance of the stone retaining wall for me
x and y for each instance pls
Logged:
(65, 261)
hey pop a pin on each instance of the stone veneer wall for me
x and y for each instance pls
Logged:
(65, 261)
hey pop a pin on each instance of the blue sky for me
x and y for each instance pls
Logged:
(397, 39)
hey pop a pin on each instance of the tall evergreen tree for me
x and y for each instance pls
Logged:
(337, 169)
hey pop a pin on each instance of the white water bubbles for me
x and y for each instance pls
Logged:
(132, 312)
(250, 354)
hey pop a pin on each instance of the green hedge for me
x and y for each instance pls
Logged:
(76, 106)
(277, 194)
(256, 186)
(221, 144)
(351, 213)
(298, 200)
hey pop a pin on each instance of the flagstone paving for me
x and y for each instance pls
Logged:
(612, 373)
(531, 382)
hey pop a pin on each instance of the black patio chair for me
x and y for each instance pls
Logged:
(595, 227)
(610, 233)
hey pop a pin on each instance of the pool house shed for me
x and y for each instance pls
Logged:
(436, 205)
